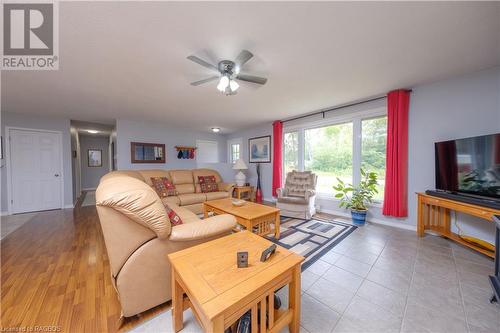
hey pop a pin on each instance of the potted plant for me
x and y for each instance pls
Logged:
(357, 198)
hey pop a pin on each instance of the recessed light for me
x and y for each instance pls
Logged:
(92, 131)
(215, 129)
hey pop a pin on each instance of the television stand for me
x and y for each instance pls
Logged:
(433, 213)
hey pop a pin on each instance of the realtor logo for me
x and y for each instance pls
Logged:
(30, 36)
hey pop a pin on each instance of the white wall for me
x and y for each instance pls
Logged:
(454, 108)
(91, 175)
(62, 125)
(128, 131)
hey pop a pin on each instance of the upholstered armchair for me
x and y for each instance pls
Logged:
(298, 196)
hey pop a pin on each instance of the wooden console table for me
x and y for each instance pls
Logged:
(434, 214)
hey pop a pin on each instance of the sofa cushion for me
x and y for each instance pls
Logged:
(163, 187)
(136, 200)
(217, 195)
(206, 172)
(192, 198)
(181, 177)
(208, 184)
(147, 174)
(171, 200)
(185, 214)
(184, 188)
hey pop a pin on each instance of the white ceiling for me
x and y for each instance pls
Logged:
(129, 59)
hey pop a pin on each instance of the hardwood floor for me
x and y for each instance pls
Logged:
(55, 272)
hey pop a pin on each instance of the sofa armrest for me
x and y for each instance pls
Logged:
(226, 187)
(206, 228)
(309, 194)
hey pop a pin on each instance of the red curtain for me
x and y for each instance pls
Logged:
(277, 155)
(396, 179)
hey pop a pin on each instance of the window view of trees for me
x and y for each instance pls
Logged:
(374, 139)
(291, 152)
(328, 153)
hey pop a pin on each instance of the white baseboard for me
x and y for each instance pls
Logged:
(89, 189)
(4, 213)
(373, 220)
(69, 206)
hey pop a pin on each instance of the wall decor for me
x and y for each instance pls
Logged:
(94, 157)
(185, 152)
(259, 149)
(142, 152)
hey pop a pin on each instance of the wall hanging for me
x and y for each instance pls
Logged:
(184, 152)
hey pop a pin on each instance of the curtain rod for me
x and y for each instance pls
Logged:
(339, 107)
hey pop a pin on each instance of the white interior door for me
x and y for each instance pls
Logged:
(35, 162)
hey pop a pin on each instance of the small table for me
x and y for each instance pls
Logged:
(239, 190)
(219, 293)
(254, 217)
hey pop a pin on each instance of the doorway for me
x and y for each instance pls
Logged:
(35, 170)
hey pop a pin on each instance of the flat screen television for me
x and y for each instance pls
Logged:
(469, 166)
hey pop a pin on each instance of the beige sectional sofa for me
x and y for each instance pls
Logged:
(138, 233)
(186, 183)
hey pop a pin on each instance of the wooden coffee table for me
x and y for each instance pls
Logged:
(254, 217)
(219, 293)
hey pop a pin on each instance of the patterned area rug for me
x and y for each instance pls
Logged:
(312, 238)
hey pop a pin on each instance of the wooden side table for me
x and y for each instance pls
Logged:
(219, 293)
(248, 191)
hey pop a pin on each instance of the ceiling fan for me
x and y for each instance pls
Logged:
(228, 73)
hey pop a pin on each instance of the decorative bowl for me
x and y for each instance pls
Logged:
(238, 202)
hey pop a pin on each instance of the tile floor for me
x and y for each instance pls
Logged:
(383, 279)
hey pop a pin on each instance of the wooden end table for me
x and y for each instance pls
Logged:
(206, 279)
(254, 217)
(249, 190)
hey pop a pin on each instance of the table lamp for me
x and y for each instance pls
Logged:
(240, 176)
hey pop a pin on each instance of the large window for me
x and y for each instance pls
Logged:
(339, 147)
(374, 138)
(291, 152)
(328, 153)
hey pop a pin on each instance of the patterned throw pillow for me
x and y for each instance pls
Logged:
(174, 218)
(163, 186)
(208, 184)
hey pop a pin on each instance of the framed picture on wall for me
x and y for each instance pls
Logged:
(94, 157)
(259, 149)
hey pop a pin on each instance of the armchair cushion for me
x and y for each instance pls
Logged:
(203, 229)
(294, 200)
(297, 183)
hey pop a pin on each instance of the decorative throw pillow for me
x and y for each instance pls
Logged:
(174, 218)
(208, 184)
(163, 186)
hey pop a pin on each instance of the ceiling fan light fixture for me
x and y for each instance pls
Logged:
(233, 85)
(223, 83)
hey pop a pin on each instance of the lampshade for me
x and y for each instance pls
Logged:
(240, 165)
(223, 83)
(233, 85)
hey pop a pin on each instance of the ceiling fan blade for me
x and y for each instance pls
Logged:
(197, 83)
(251, 78)
(202, 62)
(243, 57)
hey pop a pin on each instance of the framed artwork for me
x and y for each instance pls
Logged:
(259, 149)
(94, 157)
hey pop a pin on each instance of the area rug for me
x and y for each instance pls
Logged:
(312, 238)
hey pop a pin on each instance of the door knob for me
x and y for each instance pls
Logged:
(56, 175)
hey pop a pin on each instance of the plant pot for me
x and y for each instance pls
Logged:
(358, 216)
